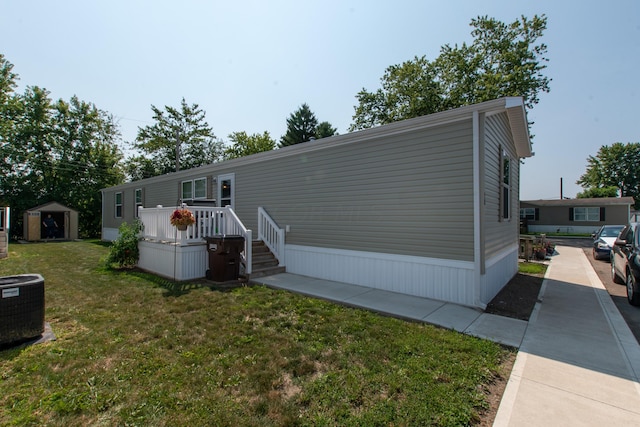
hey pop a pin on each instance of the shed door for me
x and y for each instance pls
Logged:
(34, 226)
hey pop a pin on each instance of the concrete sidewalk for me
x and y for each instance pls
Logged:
(578, 362)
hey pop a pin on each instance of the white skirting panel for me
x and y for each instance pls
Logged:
(570, 229)
(440, 279)
(176, 262)
(499, 270)
(109, 234)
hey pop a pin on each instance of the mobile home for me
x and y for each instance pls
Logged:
(426, 206)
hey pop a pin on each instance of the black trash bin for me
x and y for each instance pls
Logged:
(224, 257)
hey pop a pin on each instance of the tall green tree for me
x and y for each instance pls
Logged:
(596, 193)
(303, 126)
(503, 60)
(179, 139)
(325, 130)
(616, 166)
(62, 151)
(245, 145)
(87, 159)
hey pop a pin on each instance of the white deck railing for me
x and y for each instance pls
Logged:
(210, 221)
(271, 235)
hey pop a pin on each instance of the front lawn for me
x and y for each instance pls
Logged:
(132, 349)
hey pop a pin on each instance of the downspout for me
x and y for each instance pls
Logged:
(478, 211)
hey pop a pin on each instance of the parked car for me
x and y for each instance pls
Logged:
(603, 240)
(625, 261)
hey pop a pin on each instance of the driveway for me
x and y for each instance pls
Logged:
(618, 293)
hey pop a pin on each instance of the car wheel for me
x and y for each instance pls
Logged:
(614, 276)
(594, 253)
(633, 296)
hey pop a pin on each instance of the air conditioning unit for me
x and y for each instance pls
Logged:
(21, 307)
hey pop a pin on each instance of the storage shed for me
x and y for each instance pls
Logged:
(65, 222)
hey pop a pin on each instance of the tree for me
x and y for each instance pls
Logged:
(180, 138)
(58, 151)
(616, 166)
(325, 130)
(301, 127)
(244, 145)
(503, 60)
(86, 159)
(595, 192)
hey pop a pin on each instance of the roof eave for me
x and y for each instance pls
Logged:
(519, 125)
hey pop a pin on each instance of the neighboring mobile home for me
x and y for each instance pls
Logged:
(578, 216)
(426, 206)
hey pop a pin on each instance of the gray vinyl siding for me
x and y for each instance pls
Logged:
(407, 194)
(499, 233)
(410, 193)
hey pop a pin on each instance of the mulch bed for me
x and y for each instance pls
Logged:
(518, 298)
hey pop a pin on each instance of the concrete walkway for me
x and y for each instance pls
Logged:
(578, 362)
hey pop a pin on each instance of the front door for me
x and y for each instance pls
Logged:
(226, 190)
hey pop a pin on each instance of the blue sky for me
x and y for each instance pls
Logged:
(249, 64)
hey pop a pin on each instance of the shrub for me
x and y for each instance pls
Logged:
(124, 250)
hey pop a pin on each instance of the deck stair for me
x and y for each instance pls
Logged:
(264, 263)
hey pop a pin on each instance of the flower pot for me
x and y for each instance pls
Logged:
(182, 227)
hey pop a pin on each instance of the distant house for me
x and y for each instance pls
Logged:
(426, 206)
(575, 215)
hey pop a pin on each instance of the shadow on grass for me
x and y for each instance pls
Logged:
(172, 288)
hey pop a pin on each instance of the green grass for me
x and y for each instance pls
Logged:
(133, 349)
(532, 268)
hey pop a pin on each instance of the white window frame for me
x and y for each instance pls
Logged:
(505, 185)
(230, 178)
(138, 198)
(197, 189)
(586, 214)
(528, 213)
(118, 205)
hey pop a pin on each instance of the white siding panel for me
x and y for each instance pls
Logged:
(440, 279)
(499, 270)
(174, 261)
(109, 234)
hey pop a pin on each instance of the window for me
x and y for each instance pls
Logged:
(529, 213)
(505, 184)
(138, 200)
(200, 188)
(118, 205)
(195, 189)
(226, 190)
(586, 214)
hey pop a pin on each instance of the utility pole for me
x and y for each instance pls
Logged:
(177, 150)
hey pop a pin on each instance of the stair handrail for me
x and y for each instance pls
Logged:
(272, 235)
(240, 229)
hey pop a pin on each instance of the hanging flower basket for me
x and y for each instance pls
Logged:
(182, 218)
